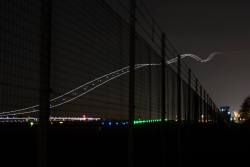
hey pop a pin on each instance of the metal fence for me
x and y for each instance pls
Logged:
(75, 56)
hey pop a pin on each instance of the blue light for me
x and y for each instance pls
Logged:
(110, 123)
(102, 123)
(117, 123)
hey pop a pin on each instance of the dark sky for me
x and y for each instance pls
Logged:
(203, 27)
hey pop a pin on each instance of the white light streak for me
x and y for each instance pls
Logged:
(87, 87)
(97, 82)
(197, 58)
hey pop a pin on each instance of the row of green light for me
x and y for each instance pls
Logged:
(137, 122)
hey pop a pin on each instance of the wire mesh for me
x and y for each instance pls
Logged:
(90, 63)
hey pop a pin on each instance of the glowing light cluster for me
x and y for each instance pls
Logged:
(136, 122)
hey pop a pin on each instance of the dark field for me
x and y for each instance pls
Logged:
(94, 145)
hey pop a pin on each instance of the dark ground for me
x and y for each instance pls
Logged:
(92, 145)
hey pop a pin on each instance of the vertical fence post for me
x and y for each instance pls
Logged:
(163, 99)
(179, 89)
(204, 106)
(132, 63)
(150, 71)
(208, 104)
(189, 95)
(150, 87)
(200, 99)
(207, 107)
(179, 146)
(211, 110)
(131, 83)
(196, 101)
(45, 57)
(167, 92)
(214, 114)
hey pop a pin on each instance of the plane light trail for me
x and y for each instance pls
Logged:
(92, 85)
(197, 58)
(77, 92)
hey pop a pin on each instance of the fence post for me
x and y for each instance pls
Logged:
(204, 106)
(131, 83)
(196, 101)
(163, 91)
(45, 57)
(150, 87)
(208, 106)
(189, 95)
(132, 63)
(200, 99)
(179, 89)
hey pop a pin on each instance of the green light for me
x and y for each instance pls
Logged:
(147, 121)
(31, 124)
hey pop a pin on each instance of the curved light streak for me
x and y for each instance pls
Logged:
(77, 92)
(92, 85)
(197, 58)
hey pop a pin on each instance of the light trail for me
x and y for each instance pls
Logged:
(197, 58)
(77, 92)
(92, 85)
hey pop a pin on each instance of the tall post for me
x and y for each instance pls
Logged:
(44, 97)
(150, 71)
(179, 136)
(150, 87)
(132, 63)
(211, 110)
(163, 99)
(179, 89)
(131, 83)
(208, 106)
(189, 95)
(196, 118)
(200, 99)
(163, 91)
(204, 105)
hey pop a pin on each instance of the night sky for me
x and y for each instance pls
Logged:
(203, 27)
